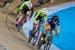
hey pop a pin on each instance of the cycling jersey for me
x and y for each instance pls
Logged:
(40, 17)
(50, 21)
(24, 4)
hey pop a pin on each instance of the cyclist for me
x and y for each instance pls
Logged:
(23, 10)
(50, 25)
(39, 18)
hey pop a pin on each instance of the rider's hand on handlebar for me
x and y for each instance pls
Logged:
(57, 33)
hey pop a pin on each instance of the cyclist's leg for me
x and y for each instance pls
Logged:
(46, 27)
(34, 25)
(40, 22)
(52, 30)
(38, 29)
(18, 15)
(31, 35)
(51, 35)
(32, 32)
(44, 33)
(20, 18)
(50, 39)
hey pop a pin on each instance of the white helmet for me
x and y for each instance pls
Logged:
(44, 11)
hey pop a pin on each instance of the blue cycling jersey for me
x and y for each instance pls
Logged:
(49, 20)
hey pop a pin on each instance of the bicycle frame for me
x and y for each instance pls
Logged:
(37, 31)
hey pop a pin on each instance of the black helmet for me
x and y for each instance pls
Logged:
(55, 18)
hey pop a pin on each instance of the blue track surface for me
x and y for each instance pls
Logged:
(66, 40)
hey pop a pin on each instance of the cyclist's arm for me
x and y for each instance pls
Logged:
(58, 30)
(21, 7)
(58, 23)
(45, 19)
(58, 27)
(36, 16)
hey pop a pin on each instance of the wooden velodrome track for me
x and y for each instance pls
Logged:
(10, 39)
